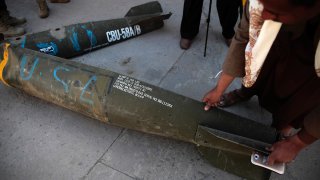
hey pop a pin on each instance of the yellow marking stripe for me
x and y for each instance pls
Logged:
(4, 63)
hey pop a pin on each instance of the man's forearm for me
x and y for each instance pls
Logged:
(305, 137)
(224, 81)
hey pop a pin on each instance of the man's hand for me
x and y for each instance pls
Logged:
(211, 99)
(285, 150)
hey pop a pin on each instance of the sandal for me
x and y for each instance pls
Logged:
(233, 97)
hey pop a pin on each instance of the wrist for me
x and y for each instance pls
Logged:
(305, 137)
(219, 91)
(298, 143)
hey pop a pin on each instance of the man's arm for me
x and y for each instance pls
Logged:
(311, 126)
(234, 63)
(288, 149)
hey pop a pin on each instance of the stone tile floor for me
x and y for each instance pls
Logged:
(39, 140)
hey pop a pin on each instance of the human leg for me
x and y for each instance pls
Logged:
(190, 23)
(6, 18)
(43, 8)
(8, 22)
(228, 12)
(3, 6)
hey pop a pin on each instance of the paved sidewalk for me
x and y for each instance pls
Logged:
(39, 140)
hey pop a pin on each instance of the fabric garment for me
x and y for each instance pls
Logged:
(288, 85)
(262, 34)
(191, 17)
(3, 7)
(228, 11)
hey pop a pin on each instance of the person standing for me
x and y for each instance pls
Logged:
(228, 12)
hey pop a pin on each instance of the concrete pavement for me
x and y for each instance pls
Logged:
(39, 140)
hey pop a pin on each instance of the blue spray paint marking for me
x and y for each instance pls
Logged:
(74, 40)
(92, 37)
(89, 101)
(48, 48)
(22, 67)
(23, 43)
(65, 85)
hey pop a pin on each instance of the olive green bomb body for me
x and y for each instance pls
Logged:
(73, 40)
(225, 139)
